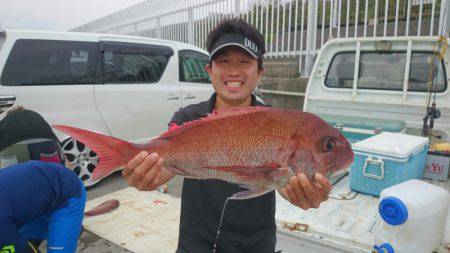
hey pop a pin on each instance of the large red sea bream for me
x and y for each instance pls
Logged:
(258, 148)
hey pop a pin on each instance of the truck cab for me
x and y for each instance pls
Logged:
(374, 84)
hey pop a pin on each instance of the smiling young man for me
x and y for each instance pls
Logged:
(235, 67)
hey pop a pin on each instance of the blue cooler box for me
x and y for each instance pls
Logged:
(385, 160)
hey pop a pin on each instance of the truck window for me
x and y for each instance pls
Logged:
(50, 62)
(424, 66)
(134, 63)
(341, 71)
(382, 71)
(385, 71)
(192, 67)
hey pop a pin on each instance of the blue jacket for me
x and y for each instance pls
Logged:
(34, 188)
(31, 190)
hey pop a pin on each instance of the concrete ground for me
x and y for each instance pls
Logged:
(91, 243)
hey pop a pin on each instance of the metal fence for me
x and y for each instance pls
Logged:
(292, 28)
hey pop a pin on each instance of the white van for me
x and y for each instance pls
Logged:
(122, 86)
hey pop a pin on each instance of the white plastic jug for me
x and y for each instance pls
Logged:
(446, 240)
(414, 214)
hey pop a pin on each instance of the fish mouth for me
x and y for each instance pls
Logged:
(349, 159)
(337, 168)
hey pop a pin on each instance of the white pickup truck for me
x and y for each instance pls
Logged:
(364, 86)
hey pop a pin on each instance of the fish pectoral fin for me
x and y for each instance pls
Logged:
(281, 172)
(250, 193)
(281, 176)
(178, 171)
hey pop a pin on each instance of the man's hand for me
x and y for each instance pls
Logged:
(145, 172)
(305, 194)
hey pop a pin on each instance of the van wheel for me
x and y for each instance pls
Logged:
(82, 160)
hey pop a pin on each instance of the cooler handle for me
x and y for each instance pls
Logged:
(378, 161)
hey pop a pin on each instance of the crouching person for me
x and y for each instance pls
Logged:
(25, 135)
(40, 200)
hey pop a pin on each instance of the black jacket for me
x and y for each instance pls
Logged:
(248, 225)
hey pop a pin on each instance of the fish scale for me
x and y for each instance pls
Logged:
(256, 147)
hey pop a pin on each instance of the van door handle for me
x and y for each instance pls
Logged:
(172, 97)
(189, 96)
(6, 102)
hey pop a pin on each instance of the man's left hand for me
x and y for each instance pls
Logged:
(305, 193)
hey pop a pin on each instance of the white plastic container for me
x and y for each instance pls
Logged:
(414, 214)
(446, 240)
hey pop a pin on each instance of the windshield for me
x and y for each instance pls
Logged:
(385, 71)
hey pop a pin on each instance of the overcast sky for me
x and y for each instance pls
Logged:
(60, 15)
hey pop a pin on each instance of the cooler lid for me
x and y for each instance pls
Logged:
(391, 144)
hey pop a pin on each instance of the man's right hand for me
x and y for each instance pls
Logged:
(145, 172)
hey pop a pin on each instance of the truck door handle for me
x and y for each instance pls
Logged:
(6, 102)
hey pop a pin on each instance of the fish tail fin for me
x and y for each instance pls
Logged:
(112, 152)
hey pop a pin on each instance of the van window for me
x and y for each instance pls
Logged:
(385, 71)
(192, 67)
(50, 62)
(134, 63)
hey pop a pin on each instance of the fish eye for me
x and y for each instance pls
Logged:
(328, 144)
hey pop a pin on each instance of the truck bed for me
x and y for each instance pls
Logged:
(148, 222)
(344, 223)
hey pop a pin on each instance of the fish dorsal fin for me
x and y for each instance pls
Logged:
(215, 115)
